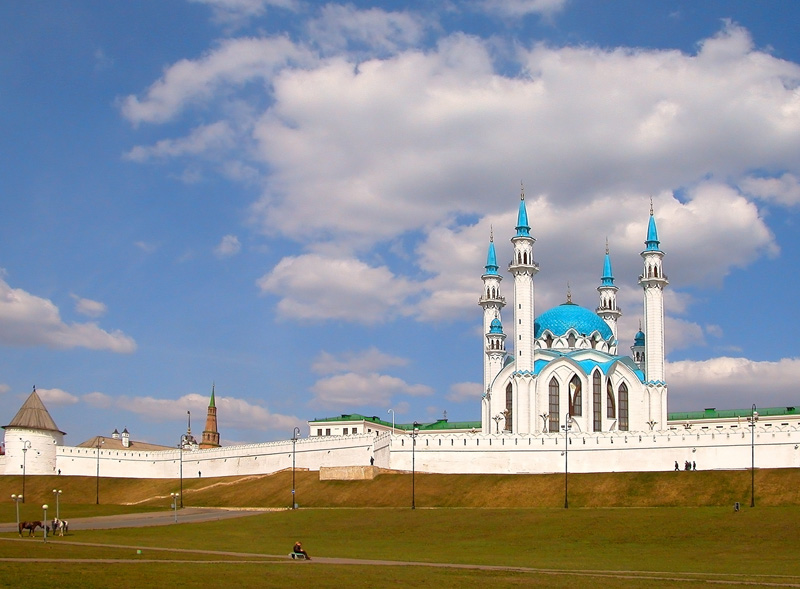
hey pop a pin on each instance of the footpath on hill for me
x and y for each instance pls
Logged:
(156, 518)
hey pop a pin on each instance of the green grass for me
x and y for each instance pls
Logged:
(690, 544)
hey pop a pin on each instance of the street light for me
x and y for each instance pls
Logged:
(414, 433)
(566, 427)
(753, 418)
(25, 446)
(392, 412)
(44, 507)
(497, 419)
(16, 499)
(97, 478)
(57, 493)
(295, 433)
(175, 505)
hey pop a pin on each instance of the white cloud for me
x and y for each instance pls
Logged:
(733, 383)
(28, 320)
(215, 137)
(4, 388)
(56, 397)
(359, 390)
(368, 360)
(98, 400)
(784, 190)
(517, 8)
(233, 63)
(229, 246)
(461, 392)
(89, 307)
(240, 11)
(339, 26)
(314, 287)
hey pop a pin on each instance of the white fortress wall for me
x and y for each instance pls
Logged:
(602, 452)
(310, 454)
(40, 458)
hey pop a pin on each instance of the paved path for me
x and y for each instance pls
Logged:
(140, 520)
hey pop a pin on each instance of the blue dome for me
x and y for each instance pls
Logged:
(638, 339)
(496, 326)
(561, 319)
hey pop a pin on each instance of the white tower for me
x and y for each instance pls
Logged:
(608, 309)
(653, 281)
(523, 268)
(492, 302)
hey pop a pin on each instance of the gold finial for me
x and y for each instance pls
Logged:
(651, 206)
(491, 233)
(569, 293)
(522, 190)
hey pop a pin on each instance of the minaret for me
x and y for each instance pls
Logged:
(608, 309)
(492, 302)
(523, 269)
(637, 349)
(210, 437)
(653, 282)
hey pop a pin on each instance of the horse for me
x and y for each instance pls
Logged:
(60, 526)
(30, 526)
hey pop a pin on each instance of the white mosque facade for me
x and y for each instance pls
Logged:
(564, 392)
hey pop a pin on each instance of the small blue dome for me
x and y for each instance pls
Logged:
(496, 326)
(638, 339)
(559, 320)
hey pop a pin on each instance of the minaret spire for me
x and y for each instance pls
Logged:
(608, 309)
(523, 268)
(492, 302)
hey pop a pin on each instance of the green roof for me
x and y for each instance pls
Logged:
(731, 413)
(439, 424)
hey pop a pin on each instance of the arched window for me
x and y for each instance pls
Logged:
(571, 339)
(597, 398)
(554, 424)
(509, 408)
(611, 406)
(575, 397)
(623, 407)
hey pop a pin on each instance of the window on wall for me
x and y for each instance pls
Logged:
(575, 397)
(611, 406)
(344, 431)
(623, 407)
(355, 430)
(597, 399)
(319, 432)
(327, 431)
(508, 413)
(554, 421)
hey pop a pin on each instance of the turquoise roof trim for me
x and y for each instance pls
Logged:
(608, 275)
(491, 260)
(523, 229)
(587, 366)
(652, 235)
(559, 320)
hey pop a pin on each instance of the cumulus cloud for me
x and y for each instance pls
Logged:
(465, 392)
(517, 8)
(89, 307)
(728, 382)
(229, 246)
(236, 12)
(784, 190)
(98, 400)
(28, 320)
(214, 137)
(56, 397)
(4, 388)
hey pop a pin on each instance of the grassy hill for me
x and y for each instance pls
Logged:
(390, 489)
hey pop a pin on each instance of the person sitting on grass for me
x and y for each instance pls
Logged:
(298, 549)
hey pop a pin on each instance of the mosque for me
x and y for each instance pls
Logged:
(564, 389)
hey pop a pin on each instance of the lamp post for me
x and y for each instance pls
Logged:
(497, 419)
(175, 505)
(44, 507)
(57, 494)
(16, 499)
(295, 433)
(414, 433)
(392, 412)
(753, 418)
(100, 441)
(25, 446)
(566, 428)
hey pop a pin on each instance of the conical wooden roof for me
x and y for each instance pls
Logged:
(34, 415)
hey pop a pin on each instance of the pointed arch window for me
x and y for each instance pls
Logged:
(508, 413)
(623, 407)
(611, 406)
(554, 423)
(597, 398)
(571, 339)
(575, 397)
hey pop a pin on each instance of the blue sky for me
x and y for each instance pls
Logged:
(293, 200)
